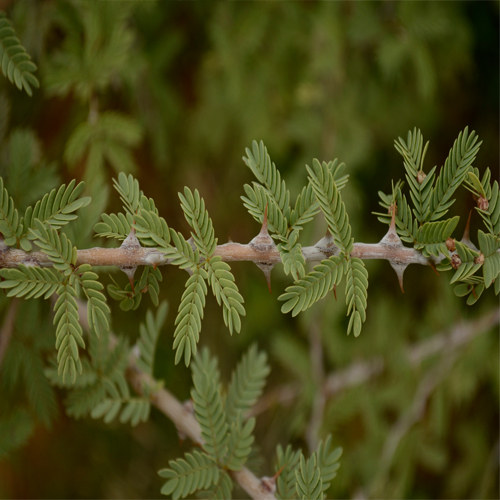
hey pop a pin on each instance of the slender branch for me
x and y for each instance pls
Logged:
(186, 424)
(230, 252)
(183, 419)
(362, 371)
(8, 327)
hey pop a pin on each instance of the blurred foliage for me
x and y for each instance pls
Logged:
(175, 92)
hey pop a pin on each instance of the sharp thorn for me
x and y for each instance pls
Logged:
(131, 240)
(266, 269)
(392, 238)
(277, 475)
(229, 240)
(130, 271)
(466, 235)
(335, 291)
(400, 269)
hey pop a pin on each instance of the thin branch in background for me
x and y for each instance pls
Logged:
(363, 371)
(414, 414)
(8, 327)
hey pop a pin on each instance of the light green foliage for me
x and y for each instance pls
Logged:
(309, 484)
(468, 266)
(10, 222)
(328, 462)
(226, 292)
(30, 282)
(413, 152)
(431, 236)
(208, 407)
(149, 333)
(239, 443)
(196, 215)
(130, 194)
(329, 199)
(16, 63)
(56, 208)
(453, 173)
(313, 287)
(221, 490)
(68, 334)
(57, 247)
(247, 382)
(356, 294)
(186, 475)
(287, 462)
(97, 309)
(114, 226)
(489, 246)
(188, 320)
(259, 162)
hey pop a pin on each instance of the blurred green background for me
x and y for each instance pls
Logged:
(191, 85)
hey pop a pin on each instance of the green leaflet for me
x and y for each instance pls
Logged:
(219, 491)
(131, 299)
(259, 162)
(57, 247)
(468, 266)
(10, 223)
(489, 246)
(186, 475)
(406, 225)
(114, 226)
(288, 462)
(247, 383)
(151, 229)
(56, 208)
(128, 189)
(453, 173)
(332, 206)
(431, 236)
(356, 294)
(291, 255)
(197, 216)
(30, 282)
(256, 201)
(413, 152)
(308, 476)
(68, 334)
(97, 308)
(208, 407)
(188, 320)
(239, 443)
(226, 292)
(16, 63)
(328, 462)
(314, 286)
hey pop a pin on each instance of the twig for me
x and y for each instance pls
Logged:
(8, 327)
(186, 424)
(362, 371)
(182, 418)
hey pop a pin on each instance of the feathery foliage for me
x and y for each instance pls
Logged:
(239, 443)
(309, 484)
(453, 173)
(287, 462)
(208, 407)
(431, 236)
(16, 63)
(30, 282)
(247, 382)
(186, 475)
(10, 222)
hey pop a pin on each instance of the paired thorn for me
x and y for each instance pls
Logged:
(392, 238)
(465, 238)
(266, 269)
(130, 271)
(335, 291)
(269, 483)
(129, 243)
(264, 242)
(400, 269)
